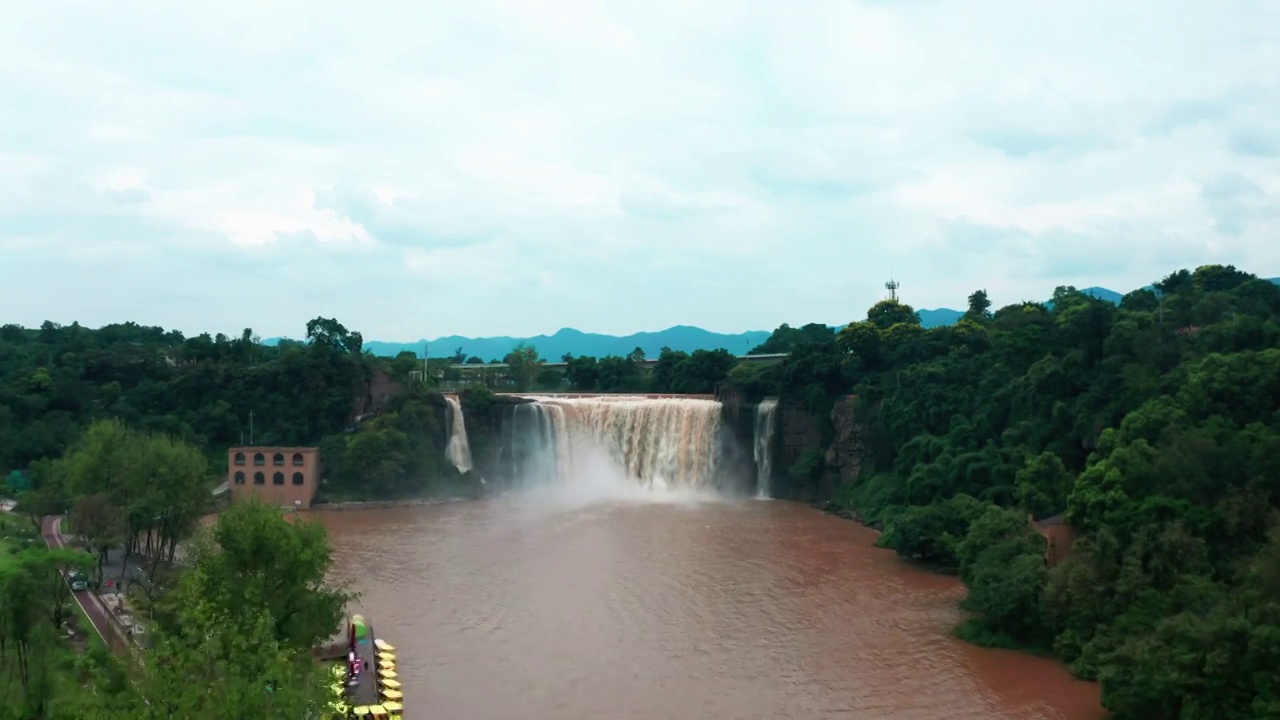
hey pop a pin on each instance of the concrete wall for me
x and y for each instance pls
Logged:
(284, 476)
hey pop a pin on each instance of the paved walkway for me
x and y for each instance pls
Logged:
(366, 692)
(93, 607)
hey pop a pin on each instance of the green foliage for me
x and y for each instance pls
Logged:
(54, 381)
(243, 614)
(254, 561)
(179, 393)
(695, 373)
(1153, 427)
(235, 656)
(522, 365)
(786, 338)
(396, 454)
(145, 491)
(33, 608)
(932, 534)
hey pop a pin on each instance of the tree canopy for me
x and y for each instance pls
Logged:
(214, 392)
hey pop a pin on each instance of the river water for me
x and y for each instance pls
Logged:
(676, 606)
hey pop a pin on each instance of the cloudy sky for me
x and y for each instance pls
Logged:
(418, 169)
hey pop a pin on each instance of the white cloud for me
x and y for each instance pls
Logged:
(422, 169)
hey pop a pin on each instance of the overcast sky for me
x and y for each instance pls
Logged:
(418, 169)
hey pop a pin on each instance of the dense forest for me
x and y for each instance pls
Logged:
(1152, 428)
(215, 392)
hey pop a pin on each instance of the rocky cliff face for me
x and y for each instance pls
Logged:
(737, 468)
(488, 419)
(371, 394)
(845, 453)
(814, 457)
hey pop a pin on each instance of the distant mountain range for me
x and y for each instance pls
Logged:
(680, 337)
(578, 343)
(947, 316)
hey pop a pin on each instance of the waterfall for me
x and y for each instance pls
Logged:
(533, 448)
(766, 425)
(667, 442)
(458, 451)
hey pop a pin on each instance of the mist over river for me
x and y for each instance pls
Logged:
(591, 603)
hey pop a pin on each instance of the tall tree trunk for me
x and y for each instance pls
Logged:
(124, 567)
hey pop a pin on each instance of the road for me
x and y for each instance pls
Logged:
(93, 607)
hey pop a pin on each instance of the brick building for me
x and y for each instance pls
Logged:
(284, 476)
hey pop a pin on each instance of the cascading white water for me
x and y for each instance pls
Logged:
(667, 442)
(766, 424)
(458, 450)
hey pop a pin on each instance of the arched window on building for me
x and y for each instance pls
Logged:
(239, 477)
(277, 459)
(259, 479)
(239, 458)
(297, 458)
(259, 459)
(277, 479)
(298, 479)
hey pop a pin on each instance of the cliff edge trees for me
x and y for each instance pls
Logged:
(695, 373)
(1154, 426)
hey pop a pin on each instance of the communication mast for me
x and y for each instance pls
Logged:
(892, 286)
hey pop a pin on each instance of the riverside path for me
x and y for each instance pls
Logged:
(89, 602)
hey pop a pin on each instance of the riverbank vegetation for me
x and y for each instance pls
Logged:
(1150, 428)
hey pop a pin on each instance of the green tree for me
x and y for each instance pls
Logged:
(583, 373)
(32, 610)
(99, 524)
(979, 306)
(254, 560)
(238, 658)
(1002, 563)
(522, 365)
(887, 313)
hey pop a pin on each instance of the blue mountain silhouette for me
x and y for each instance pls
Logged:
(680, 337)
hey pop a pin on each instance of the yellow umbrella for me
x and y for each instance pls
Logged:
(387, 673)
(383, 645)
(393, 684)
(387, 664)
(361, 711)
(393, 707)
(390, 694)
(387, 656)
(378, 710)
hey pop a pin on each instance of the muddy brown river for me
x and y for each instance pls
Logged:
(546, 608)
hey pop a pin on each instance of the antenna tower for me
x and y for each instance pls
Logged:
(892, 286)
